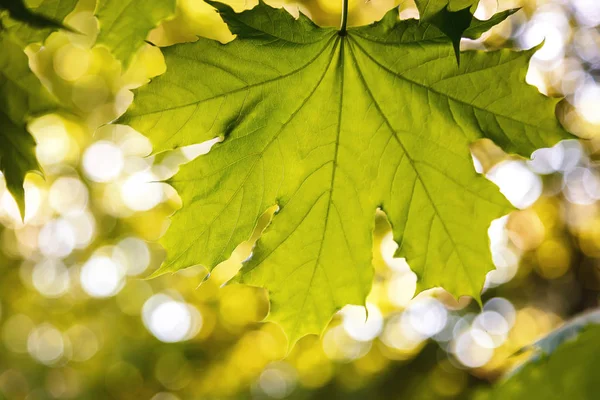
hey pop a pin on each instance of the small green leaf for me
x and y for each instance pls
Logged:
(21, 96)
(568, 331)
(331, 127)
(478, 28)
(125, 24)
(31, 24)
(564, 365)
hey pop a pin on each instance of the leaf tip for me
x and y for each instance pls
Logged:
(19, 197)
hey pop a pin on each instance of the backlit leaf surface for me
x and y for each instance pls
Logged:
(330, 127)
(125, 24)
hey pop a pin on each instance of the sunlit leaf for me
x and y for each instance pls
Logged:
(331, 127)
(125, 24)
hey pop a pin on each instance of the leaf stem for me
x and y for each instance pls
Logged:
(344, 23)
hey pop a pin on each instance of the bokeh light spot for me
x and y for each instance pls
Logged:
(101, 276)
(103, 161)
(169, 320)
(51, 277)
(45, 343)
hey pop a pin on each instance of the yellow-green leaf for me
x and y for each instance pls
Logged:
(330, 127)
(125, 24)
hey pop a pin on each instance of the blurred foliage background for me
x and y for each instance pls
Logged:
(79, 321)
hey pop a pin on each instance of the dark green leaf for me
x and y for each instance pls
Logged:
(34, 24)
(21, 96)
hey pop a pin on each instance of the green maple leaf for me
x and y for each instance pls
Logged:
(564, 363)
(124, 24)
(34, 23)
(330, 127)
(21, 97)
